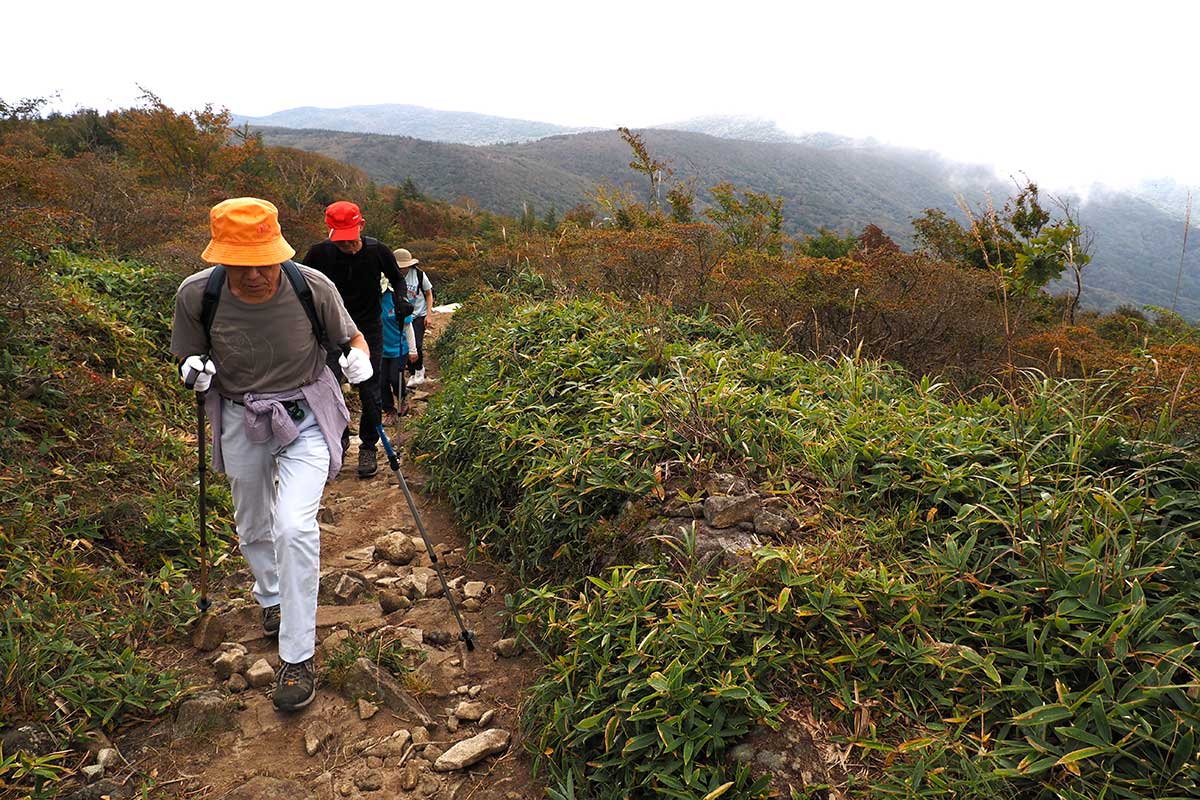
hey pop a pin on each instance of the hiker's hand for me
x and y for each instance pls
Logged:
(412, 358)
(356, 365)
(197, 373)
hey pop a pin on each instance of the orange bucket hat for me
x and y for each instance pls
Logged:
(245, 233)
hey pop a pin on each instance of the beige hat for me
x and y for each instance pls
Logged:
(404, 258)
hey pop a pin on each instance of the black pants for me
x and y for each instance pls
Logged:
(368, 390)
(419, 334)
(393, 388)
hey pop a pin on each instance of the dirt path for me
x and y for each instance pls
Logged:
(264, 754)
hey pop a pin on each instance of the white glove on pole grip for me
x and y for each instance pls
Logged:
(356, 365)
(197, 372)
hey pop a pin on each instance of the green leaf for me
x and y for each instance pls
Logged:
(1042, 715)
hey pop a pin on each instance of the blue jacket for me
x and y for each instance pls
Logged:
(394, 343)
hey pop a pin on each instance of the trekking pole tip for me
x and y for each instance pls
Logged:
(204, 603)
(468, 638)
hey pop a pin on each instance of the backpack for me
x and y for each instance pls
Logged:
(212, 297)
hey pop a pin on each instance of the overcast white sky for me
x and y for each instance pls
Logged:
(1069, 92)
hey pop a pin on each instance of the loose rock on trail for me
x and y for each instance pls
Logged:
(448, 730)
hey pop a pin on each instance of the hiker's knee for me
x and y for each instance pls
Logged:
(297, 528)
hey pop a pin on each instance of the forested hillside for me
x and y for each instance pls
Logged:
(1135, 256)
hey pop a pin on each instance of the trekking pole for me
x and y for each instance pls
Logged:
(467, 636)
(202, 469)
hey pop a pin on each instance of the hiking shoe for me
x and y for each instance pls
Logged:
(417, 379)
(295, 686)
(366, 463)
(271, 620)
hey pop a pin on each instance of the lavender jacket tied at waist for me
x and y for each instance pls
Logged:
(267, 419)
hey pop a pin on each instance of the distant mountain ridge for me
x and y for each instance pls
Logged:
(462, 127)
(758, 129)
(825, 184)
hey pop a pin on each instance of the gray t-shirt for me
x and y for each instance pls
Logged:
(260, 347)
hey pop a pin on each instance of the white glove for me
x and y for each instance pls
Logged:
(198, 369)
(356, 366)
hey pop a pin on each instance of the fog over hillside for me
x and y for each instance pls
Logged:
(825, 180)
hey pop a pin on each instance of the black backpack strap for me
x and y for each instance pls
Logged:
(420, 280)
(304, 292)
(208, 305)
(212, 296)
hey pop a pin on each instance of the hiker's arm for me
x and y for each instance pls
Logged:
(410, 338)
(387, 263)
(360, 342)
(428, 300)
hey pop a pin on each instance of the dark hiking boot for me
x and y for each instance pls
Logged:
(295, 686)
(366, 463)
(271, 620)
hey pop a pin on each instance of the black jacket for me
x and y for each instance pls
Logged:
(357, 277)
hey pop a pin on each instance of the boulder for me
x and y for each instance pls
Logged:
(366, 679)
(394, 745)
(408, 637)
(332, 642)
(342, 587)
(229, 663)
(395, 547)
(317, 736)
(472, 751)
(507, 648)
(419, 582)
(768, 523)
(369, 780)
(724, 511)
(724, 483)
(207, 712)
(469, 711)
(208, 633)
(108, 758)
(262, 787)
(260, 674)
(35, 739)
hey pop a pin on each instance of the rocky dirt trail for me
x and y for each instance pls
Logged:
(448, 729)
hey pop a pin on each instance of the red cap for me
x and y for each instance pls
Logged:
(343, 220)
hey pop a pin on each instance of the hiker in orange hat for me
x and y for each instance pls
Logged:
(251, 332)
(355, 263)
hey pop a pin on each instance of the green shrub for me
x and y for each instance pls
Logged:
(98, 528)
(649, 679)
(1000, 599)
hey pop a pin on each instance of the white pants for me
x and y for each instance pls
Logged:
(276, 495)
